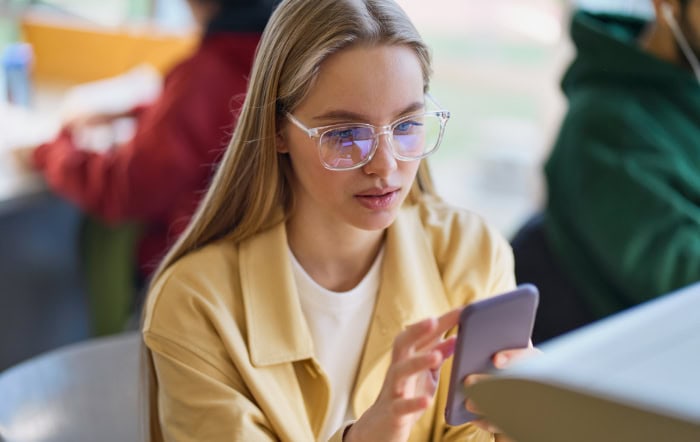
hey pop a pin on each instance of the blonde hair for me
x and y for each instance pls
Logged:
(252, 181)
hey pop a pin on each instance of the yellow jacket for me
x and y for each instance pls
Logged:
(233, 355)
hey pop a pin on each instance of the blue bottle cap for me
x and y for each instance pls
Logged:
(17, 55)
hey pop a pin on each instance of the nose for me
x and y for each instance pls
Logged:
(383, 162)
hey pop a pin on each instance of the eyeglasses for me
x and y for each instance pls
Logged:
(350, 146)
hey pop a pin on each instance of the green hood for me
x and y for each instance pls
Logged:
(607, 51)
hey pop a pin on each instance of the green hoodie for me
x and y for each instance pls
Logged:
(623, 215)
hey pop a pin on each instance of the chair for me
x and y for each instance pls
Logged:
(561, 307)
(82, 392)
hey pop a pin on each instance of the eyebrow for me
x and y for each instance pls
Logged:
(343, 115)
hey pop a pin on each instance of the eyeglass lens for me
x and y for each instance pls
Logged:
(415, 137)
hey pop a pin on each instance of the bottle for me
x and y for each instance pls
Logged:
(17, 60)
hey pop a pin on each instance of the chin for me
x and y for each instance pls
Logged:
(375, 221)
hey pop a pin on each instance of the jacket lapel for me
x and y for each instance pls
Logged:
(277, 329)
(277, 333)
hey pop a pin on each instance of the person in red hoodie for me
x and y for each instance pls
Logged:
(159, 175)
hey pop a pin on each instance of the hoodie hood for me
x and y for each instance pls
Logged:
(608, 51)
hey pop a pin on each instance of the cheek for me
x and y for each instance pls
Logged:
(409, 169)
(312, 176)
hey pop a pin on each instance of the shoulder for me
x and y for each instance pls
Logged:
(448, 226)
(224, 56)
(219, 67)
(470, 254)
(200, 288)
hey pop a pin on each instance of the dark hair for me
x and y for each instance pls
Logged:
(241, 15)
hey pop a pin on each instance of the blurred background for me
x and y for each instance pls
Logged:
(497, 68)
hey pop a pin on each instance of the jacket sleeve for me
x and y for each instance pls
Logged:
(141, 178)
(632, 201)
(197, 401)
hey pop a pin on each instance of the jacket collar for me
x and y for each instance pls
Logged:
(277, 330)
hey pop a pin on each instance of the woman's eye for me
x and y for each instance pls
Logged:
(342, 133)
(406, 126)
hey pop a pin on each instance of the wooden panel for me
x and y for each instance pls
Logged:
(75, 52)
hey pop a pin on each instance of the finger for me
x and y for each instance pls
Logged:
(443, 324)
(403, 370)
(506, 357)
(404, 343)
(474, 378)
(408, 406)
(486, 426)
(446, 347)
(418, 336)
(471, 407)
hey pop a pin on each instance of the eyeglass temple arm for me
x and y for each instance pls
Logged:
(310, 132)
(433, 100)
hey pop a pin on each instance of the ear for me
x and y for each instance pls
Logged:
(281, 143)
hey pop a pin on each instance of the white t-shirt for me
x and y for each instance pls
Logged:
(338, 322)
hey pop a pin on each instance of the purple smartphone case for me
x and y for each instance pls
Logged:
(485, 328)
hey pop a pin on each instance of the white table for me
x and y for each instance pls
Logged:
(20, 127)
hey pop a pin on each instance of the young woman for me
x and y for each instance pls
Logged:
(310, 295)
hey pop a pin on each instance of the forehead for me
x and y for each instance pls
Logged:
(374, 81)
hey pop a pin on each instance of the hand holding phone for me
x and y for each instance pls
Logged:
(485, 328)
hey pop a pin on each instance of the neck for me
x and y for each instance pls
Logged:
(660, 43)
(336, 258)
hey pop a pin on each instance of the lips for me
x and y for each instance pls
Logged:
(378, 198)
(378, 191)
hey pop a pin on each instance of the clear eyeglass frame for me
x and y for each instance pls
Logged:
(377, 131)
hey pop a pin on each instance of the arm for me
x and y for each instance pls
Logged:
(133, 181)
(178, 140)
(95, 119)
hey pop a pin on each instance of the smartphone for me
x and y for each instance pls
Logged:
(486, 327)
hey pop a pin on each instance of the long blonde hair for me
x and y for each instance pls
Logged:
(252, 181)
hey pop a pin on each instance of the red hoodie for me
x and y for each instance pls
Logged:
(158, 177)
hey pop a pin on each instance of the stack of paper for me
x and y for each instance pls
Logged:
(632, 377)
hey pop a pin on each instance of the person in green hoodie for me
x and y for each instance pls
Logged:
(622, 219)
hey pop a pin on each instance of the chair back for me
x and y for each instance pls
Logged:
(83, 392)
(562, 307)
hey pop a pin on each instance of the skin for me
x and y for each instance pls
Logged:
(203, 11)
(332, 234)
(335, 233)
(659, 39)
